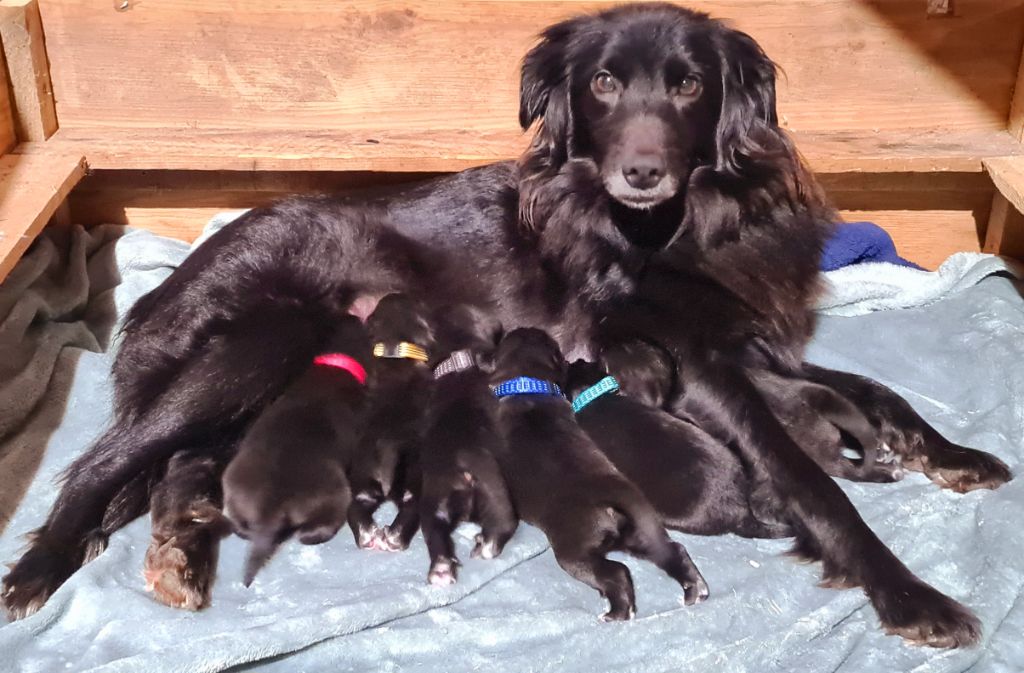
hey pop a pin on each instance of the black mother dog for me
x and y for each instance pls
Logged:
(657, 123)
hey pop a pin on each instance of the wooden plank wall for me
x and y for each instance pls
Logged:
(421, 65)
(430, 86)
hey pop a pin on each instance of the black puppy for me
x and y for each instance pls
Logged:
(461, 477)
(563, 484)
(288, 477)
(386, 466)
(696, 482)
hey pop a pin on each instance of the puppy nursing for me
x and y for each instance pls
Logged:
(289, 475)
(563, 484)
(386, 466)
(461, 477)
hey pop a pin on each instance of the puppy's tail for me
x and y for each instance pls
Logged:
(260, 552)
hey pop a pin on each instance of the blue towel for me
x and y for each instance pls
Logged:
(856, 242)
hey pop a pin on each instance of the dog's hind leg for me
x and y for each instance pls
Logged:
(181, 561)
(644, 537)
(439, 514)
(610, 578)
(367, 496)
(215, 395)
(493, 510)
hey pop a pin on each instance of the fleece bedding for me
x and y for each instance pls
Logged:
(950, 341)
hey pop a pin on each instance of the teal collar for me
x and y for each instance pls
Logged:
(606, 385)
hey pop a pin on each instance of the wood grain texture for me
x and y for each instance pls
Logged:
(375, 66)
(32, 188)
(8, 135)
(1005, 235)
(1007, 175)
(1015, 124)
(926, 237)
(439, 151)
(930, 215)
(21, 34)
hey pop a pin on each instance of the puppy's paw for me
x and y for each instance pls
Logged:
(619, 615)
(696, 591)
(485, 548)
(962, 469)
(179, 572)
(391, 540)
(922, 616)
(33, 579)
(370, 537)
(443, 573)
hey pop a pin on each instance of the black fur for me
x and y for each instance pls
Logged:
(386, 465)
(694, 481)
(461, 477)
(288, 477)
(557, 240)
(564, 485)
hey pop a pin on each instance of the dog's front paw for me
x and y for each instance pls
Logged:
(923, 616)
(443, 572)
(34, 578)
(962, 469)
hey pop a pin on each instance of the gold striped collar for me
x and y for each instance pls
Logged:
(403, 349)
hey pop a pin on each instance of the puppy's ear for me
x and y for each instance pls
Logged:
(748, 119)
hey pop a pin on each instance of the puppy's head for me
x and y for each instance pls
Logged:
(644, 371)
(467, 327)
(265, 515)
(648, 92)
(532, 352)
(398, 317)
(582, 375)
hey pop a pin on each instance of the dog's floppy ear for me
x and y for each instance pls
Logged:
(544, 88)
(748, 121)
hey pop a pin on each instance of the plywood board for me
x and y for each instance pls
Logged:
(32, 188)
(21, 34)
(423, 65)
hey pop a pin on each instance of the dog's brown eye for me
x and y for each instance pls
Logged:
(604, 83)
(689, 87)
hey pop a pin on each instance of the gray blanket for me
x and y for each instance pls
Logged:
(959, 360)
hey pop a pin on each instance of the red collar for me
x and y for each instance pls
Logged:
(342, 361)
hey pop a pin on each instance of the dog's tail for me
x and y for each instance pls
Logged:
(261, 550)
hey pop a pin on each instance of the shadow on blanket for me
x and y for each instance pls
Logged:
(56, 303)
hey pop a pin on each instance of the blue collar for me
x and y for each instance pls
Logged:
(524, 385)
(606, 385)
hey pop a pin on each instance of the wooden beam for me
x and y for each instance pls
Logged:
(443, 151)
(8, 136)
(32, 188)
(1007, 175)
(1015, 124)
(21, 32)
(1005, 233)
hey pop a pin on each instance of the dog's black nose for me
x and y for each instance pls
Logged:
(645, 171)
